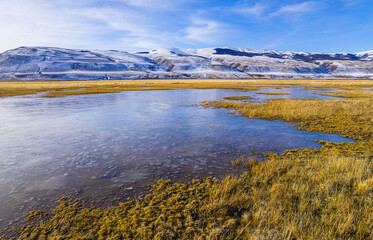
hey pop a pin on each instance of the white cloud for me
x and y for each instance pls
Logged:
(39, 22)
(136, 31)
(204, 31)
(153, 4)
(82, 24)
(265, 11)
(303, 7)
(245, 10)
(350, 3)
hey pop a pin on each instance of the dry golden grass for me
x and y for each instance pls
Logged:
(58, 88)
(238, 98)
(295, 195)
(64, 88)
(351, 117)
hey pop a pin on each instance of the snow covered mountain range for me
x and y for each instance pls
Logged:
(46, 63)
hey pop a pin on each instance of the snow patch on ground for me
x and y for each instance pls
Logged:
(28, 63)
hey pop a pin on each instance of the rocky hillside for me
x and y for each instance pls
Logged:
(44, 63)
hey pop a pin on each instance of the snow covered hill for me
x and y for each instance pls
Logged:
(45, 63)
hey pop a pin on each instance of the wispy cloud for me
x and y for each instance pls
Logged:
(249, 10)
(42, 23)
(203, 30)
(86, 24)
(304, 7)
(266, 10)
(133, 25)
(153, 5)
(350, 3)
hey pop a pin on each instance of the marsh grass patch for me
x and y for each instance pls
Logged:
(238, 98)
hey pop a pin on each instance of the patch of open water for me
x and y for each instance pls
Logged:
(102, 144)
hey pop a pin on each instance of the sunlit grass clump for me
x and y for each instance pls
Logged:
(238, 98)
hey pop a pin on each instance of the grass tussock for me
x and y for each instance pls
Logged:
(324, 193)
(238, 98)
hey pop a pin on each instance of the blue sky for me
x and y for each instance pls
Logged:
(133, 25)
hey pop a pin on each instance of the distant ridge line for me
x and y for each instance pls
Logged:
(52, 63)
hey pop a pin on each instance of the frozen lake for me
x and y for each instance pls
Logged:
(107, 144)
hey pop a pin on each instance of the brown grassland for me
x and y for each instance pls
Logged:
(64, 88)
(324, 193)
